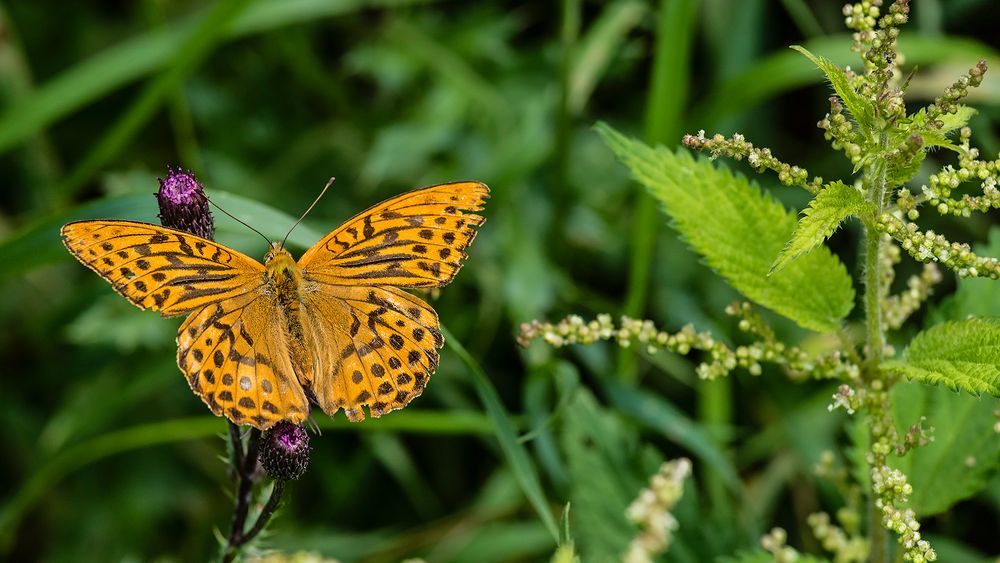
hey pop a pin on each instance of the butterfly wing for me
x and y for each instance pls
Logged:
(235, 356)
(373, 346)
(370, 343)
(232, 349)
(416, 239)
(162, 269)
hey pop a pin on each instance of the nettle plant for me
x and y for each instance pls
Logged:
(916, 449)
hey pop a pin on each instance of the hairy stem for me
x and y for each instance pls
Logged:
(874, 336)
(873, 299)
(875, 184)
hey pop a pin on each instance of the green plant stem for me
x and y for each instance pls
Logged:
(873, 299)
(875, 186)
(237, 445)
(265, 516)
(873, 314)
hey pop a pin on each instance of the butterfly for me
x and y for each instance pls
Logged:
(336, 328)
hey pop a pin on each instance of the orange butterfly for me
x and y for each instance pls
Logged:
(263, 340)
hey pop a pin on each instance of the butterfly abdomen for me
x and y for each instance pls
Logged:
(285, 281)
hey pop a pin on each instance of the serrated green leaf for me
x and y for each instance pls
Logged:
(959, 119)
(899, 174)
(861, 109)
(739, 231)
(826, 211)
(932, 137)
(961, 355)
(916, 124)
(964, 454)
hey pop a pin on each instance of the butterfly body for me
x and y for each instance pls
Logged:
(262, 341)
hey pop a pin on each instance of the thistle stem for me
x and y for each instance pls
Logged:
(265, 515)
(244, 466)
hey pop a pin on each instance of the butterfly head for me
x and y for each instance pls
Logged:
(275, 252)
(279, 262)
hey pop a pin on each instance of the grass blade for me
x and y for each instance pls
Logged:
(503, 427)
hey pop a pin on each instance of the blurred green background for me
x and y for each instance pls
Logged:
(109, 456)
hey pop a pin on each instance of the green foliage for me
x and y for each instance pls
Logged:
(964, 454)
(916, 125)
(516, 454)
(718, 212)
(607, 468)
(825, 213)
(960, 355)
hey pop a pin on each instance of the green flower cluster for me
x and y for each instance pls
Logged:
(892, 489)
(722, 359)
(738, 148)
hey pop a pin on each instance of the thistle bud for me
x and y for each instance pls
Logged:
(284, 451)
(183, 204)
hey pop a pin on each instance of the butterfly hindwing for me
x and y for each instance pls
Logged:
(162, 269)
(381, 347)
(416, 239)
(235, 356)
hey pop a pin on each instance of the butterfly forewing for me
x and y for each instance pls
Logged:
(162, 269)
(417, 239)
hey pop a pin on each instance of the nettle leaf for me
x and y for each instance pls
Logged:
(862, 110)
(961, 355)
(825, 213)
(739, 231)
(932, 137)
(965, 452)
(916, 124)
(901, 173)
(953, 121)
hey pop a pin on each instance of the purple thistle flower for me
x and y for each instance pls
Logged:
(183, 204)
(284, 451)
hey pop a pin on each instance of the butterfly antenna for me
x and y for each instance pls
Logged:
(315, 201)
(237, 219)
